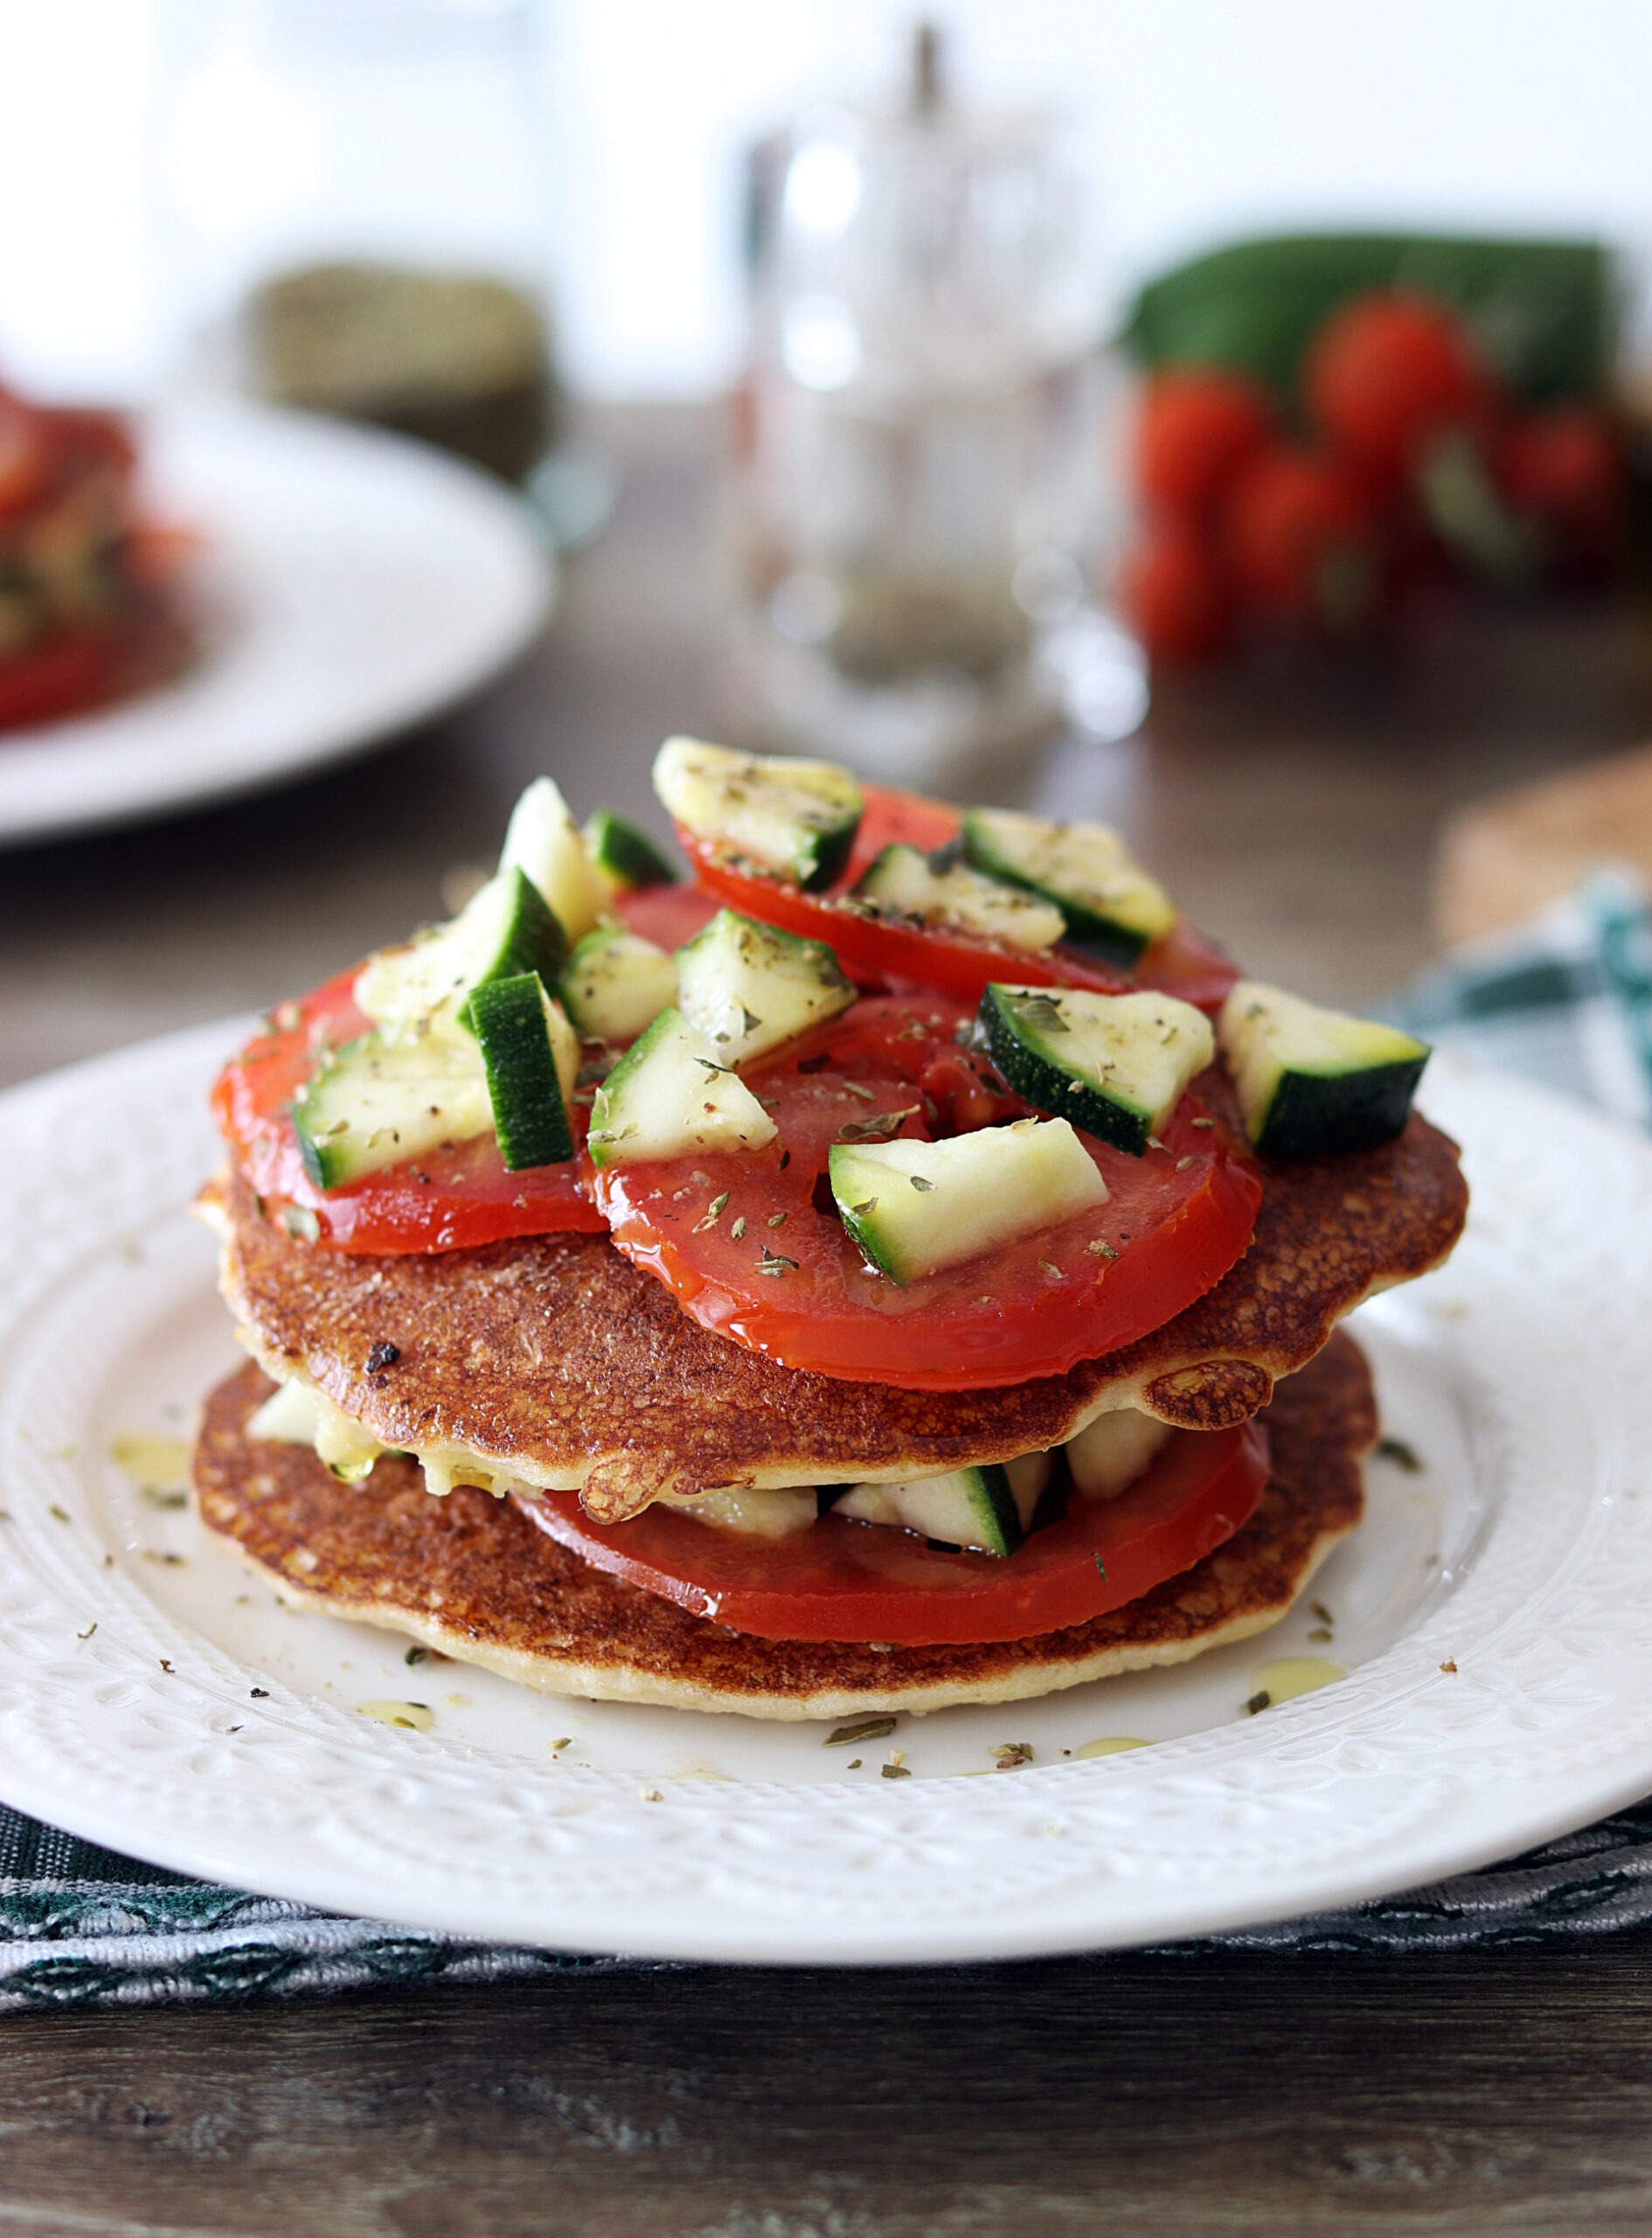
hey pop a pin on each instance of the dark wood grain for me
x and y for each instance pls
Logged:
(1498, 2092)
(1507, 2092)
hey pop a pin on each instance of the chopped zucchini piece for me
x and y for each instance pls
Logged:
(624, 859)
(796, 818)
(543, 841)
(1109, 1454)
(381, 1099)
(967, 1507)
(671, 1096)
(1110, 904)
(1312, 1080)
(504, 929)
(531, 1057)
(750, 987)
(777, 1514)
(904, 882)
(1115, 1064)
(615, 983)
(916, 1208)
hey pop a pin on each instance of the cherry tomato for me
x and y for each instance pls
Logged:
(455, 1196)
(1197, 425)
(844, 1580)
(773, 1268)
(1389, 372)
(1176, 595)
(1298, 539)
(1564, 466)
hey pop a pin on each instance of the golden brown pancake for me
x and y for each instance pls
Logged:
(556, 1361)
(474, 1577)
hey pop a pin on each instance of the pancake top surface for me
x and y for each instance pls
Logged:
(557, 1360)
(473, 1576)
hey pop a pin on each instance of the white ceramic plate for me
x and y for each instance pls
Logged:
(1521, 1552)
(350, 584)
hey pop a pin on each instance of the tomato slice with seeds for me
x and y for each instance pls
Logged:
(842, 1580)
(457, 1195)
(773, 1268)
(876, 954)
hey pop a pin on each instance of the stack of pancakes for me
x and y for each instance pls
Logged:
(552, 1362)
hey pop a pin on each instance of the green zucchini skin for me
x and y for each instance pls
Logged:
(1312, 1113)
(972, 1507)
(381, 1099)
(511, 1020)
(1312, 1080)
(1036, 1039)
(626, 856)
(1048, 1087)
(1073, 867)
(797, 818)
(506, 928)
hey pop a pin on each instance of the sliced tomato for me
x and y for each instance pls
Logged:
(668, 915)
(457, 1196)
(773, 1269)
(842, 1580)
(878, 955)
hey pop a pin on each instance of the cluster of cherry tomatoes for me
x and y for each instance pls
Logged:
(1408, 465)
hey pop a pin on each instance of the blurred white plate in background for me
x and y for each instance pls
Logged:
(351, 584)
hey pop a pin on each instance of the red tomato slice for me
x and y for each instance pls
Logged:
(842, 1580)
(876, 954)
(776, 1271)
(668, 915)
(459, 1195)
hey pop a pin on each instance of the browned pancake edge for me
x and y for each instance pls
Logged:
(556, 1359)
(475, 1578)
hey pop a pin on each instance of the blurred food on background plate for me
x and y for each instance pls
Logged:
(90, 593)
(1335, 431)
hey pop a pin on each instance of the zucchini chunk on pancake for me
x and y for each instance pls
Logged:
(542, 842)
(625, 859)
(750, 988)
(795, 819)
(506, 927)
(986, 1510)
(616, 983)
(1312, 1080)
(916, 1208)
(1108, 903)
(477, 1579)
(385, 1098)
(531, 1057)
(554, 1361)
(947, 896)
(672, 1096)
(1115, 1064)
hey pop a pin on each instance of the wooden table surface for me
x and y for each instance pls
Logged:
(1491, 2092)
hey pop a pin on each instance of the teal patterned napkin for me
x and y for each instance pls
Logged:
(1567, 997)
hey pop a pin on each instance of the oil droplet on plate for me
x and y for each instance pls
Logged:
(1114, 1744)
(1295, 1674)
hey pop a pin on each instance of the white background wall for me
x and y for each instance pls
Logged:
(1208, 118)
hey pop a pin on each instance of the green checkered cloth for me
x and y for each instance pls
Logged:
(1567, 997)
